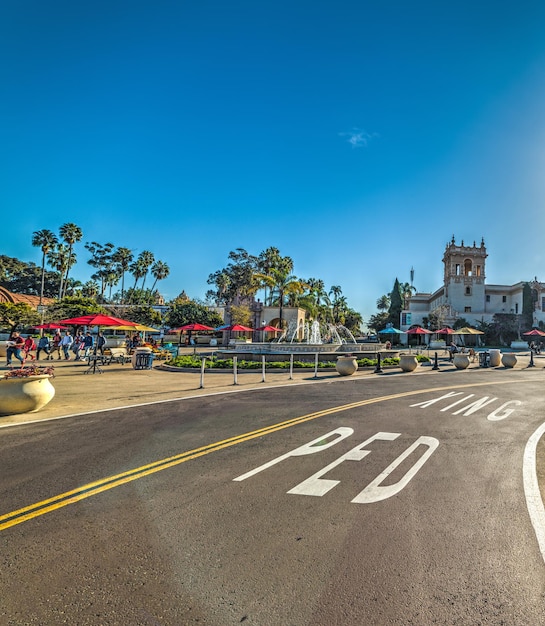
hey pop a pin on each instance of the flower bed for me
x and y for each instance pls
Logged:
(194, 362)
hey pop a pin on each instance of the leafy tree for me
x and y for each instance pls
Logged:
(73, 306)
(528, 306)
(142, 315)
(506, 327)
(102, 260)
(46, 241)
(353, 320)
(461, 322)
(70, 234)
(17, 315)
(237, 283)
(190, 312)
(378, 322)
(241, 314)
(396, 305)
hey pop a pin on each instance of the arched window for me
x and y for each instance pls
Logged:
(467, 267)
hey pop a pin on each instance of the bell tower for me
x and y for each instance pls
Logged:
(464, 277)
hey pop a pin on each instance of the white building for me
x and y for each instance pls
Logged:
(464, 292)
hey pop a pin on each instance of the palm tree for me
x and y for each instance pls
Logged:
(71, 234)
(159, 270)
(407, 291)
(268, 259)
(46, 240)
(146, 259)
(283, 283)
(57, 257)
(138, 270)
(383, 303)
(123, 258)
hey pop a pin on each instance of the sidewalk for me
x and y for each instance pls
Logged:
(121, 385)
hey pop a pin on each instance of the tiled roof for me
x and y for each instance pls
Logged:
(33, 301)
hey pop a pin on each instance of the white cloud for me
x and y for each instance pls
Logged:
(358, 138)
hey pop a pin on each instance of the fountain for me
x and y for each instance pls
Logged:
(330, 340)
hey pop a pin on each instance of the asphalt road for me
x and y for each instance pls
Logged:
(389, 500)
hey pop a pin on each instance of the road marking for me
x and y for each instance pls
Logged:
(534, 501)
(86, 491)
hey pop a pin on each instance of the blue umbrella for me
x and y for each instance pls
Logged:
(390, 330)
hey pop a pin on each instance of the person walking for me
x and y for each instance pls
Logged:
(29, 345)
(66, 343)
(15, 344)
(43, 344)
(77, 344)
(57, 338)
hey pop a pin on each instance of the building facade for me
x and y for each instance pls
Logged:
(465, 294)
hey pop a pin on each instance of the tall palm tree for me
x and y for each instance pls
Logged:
(407, 291)
(282, 283)
(58, 259)
(123, 258)
(138, 270)
(159, 270)
(146, 259)
(46, 240)
(71, 234)
(268, 259)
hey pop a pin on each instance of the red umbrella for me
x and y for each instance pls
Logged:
(50, 326)
(190, 327)
(533, 332)
(444, 331)
(237, 328)
(418, 331)
(97, 319)
(269, 329)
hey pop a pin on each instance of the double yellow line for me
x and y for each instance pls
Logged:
(92, 489)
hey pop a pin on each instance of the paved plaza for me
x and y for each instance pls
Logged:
(122, 385)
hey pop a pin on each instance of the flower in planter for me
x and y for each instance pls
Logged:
(30, 370)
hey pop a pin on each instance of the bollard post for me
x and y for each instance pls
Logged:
(262, 368)
(235, 381)
(203, 365)
(436, 363)
(291, 366)
(531, 364)
(316, 365)
(378, 369)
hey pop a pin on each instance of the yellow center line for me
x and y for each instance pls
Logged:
(91, 489)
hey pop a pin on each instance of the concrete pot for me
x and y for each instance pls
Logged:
(27, 394)
(346, 365)
(509, 359)
(495, 358)
(461, 361)
(408, 362)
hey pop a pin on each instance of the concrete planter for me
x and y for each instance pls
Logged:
(509, 359)
(346, 365)
(461, 361)
(408, 362)
(495, 358)
(27, 394)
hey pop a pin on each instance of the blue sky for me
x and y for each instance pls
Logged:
(357, 137)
